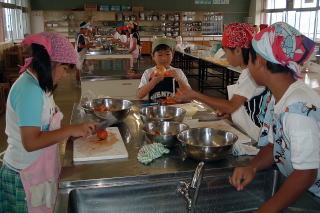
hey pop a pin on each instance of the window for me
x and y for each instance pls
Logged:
(276, 4)
(14, 19)
(303, 15)
(304, 3)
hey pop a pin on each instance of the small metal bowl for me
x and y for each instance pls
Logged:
(118, 109)
(207, 144)
(164, 132)
(162, 113)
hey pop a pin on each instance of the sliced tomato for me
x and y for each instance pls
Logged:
(103, 134)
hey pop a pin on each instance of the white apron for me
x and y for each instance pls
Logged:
(242, 119)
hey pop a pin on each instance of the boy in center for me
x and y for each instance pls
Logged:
(162, 80)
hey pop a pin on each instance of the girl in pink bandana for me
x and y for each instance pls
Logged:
(290, 134)
(31, 162)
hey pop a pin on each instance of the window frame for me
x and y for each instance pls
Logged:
(16, 18)
(290, 7)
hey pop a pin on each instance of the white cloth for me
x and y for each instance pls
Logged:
(146, 76)
(116, 35)
(301, 131)
(245, 87)
(123, 38)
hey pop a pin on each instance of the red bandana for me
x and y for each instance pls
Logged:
(238, 35)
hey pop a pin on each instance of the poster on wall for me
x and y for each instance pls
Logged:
(220, 1)
(203, 1)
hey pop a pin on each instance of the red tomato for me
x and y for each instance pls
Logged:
(102, 134)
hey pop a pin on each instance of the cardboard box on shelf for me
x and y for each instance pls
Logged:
(137, 9)
(90, 7)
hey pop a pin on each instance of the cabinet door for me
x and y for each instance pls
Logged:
(146, 47)
(123, 89)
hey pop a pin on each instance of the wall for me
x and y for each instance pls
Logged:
(235, 11)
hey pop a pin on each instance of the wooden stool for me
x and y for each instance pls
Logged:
(4, 92)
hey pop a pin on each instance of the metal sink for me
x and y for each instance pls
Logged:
(215, 195)
(106, 52)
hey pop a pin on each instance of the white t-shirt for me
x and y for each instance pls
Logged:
(123, 38)
(146, 76)
(301, 131)
(27, 105)
(116, 35)
(246, 86)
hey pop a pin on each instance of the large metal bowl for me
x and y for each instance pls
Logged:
(164, 132)
(162, 113)
(207, 144)
(118, 109)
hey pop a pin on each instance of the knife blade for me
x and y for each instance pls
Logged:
(101, 126)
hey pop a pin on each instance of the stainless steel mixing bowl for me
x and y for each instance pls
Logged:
(162, 113)
(164, 132)
(206, 143)
(117, 109)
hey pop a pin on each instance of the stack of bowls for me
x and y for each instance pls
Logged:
(162, 124)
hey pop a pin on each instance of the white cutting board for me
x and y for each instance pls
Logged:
(89, 149)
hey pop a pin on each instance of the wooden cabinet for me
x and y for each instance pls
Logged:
(146, 47)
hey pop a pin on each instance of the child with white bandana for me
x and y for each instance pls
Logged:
(290, 134)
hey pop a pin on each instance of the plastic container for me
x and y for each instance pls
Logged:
(115, 8)
(104, 7)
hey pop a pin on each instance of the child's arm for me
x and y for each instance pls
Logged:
(242, 176)
(34, 139)
(223, 105)
(294, 186)
(143, 91)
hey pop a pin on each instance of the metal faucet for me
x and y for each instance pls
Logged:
(189, 191)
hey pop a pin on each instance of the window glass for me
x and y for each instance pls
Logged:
(276, 4)
(304, 3)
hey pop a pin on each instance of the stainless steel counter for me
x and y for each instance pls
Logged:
(113, 69)
(120, 185)
(75, 175)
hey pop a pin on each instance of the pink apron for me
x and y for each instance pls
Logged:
(40, 179)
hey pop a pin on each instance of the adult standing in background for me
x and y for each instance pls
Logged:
(134, 43)
(82, 44)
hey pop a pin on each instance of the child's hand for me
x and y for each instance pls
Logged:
(185, 93)
(82, 130)
(242, 176)
(157, 78)
(222, 115)
(174, 74)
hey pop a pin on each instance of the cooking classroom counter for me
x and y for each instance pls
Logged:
(128, 170)
(125, 185)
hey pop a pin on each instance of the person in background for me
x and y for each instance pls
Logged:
(290, 135)
(122, 38)
(31, 160)
(247, 101)
(161, 81)
(117, 33)
(134, 43)
(82, 44)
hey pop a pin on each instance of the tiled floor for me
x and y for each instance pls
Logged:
(66, 95)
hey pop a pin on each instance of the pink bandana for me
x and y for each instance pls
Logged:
(238, 35)
(58, 47)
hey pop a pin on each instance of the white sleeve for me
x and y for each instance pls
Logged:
(246, 86)
(304, 141)
(144, 79)
(183, 77)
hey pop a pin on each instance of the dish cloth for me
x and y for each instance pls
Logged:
(243, 149)
(149, 152)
